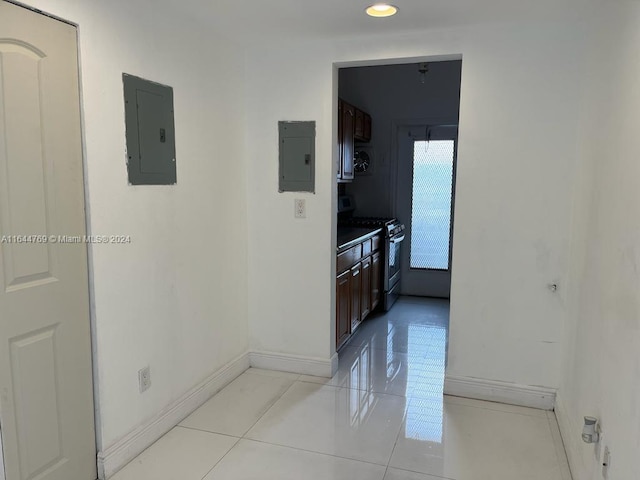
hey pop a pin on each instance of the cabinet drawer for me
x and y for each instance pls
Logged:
(348, 258)
(366, 248)
(376, 243)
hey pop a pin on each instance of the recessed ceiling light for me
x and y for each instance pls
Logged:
(381, 10)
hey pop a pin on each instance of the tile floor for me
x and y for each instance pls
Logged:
(383, 416)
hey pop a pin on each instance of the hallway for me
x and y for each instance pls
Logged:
(382, 416)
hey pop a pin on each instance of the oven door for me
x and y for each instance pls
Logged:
(393, 261)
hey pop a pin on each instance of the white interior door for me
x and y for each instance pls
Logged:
(425, 201)
(46, 393)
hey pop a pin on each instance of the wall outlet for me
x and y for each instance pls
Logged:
(144, 379)
(300, 205)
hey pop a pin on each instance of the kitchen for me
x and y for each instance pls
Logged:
(378, 108)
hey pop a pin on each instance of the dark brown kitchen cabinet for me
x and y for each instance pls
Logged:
(356, 293)
(343, 300)
(358, 285)
(346, 121)
(358, 128)
(367, 128)
(353, 124)
(376, 279)
(340, 130)
(362, 127)
(366, 286)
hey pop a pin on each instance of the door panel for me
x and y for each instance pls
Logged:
(35, 392)
(343, 300)
(428, 282)
(365, 308)
(348, 118)
(46, 393)
(356, 288)
(24, 211)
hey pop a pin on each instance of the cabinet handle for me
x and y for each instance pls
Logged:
(356, 273)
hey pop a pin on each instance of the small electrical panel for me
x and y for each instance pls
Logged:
(297, 157)
(151, 145)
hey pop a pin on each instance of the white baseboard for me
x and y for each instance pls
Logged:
(318, 367)
(118, 454)
(501, 392)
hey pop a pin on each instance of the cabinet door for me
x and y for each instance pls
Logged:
(376, 279)
(358, 128)
(356, 292)
(365, 298)
(366, 136)
(343, 300)
(348, 120)
(339, 146)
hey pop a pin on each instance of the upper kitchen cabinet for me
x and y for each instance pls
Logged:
(362, 127)
(346, 126)
(353, 124)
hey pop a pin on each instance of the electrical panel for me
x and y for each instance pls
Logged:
(150, 132)
(297, 156)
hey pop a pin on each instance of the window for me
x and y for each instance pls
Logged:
(431, 204)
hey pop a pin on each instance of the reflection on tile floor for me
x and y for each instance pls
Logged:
(383, 416)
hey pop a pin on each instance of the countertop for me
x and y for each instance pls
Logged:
(350, 236)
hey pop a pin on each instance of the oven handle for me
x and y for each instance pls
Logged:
(397, 239)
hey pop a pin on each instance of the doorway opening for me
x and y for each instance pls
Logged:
(402, 169)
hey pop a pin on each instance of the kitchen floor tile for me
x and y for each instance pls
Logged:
(469, 443)
(250, 460)
(397, 474)
(375, 370)
(235, 409)
(337, 421)
(182, 454)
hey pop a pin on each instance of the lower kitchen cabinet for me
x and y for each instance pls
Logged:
(356, 293)
(358, 287)
(343, 300)
(366, 288)
(376, 279)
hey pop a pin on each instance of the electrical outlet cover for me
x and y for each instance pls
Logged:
(300, 208)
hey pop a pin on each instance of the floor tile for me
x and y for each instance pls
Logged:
(375, 370)
(500, 407)
(409, 327)
(558, 443)
(182, 454)
(273, 373)
(235, 409)
(469, 443)
(337, 421)
(251, 460)
(383, 411)
(397, 474)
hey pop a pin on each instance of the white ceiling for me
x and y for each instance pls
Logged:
(255, 21)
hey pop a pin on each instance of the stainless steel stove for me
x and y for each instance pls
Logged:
(393, 238)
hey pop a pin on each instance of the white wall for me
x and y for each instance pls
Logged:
(175, 298)
(601, 373)
(516, 159)
(393, 95)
